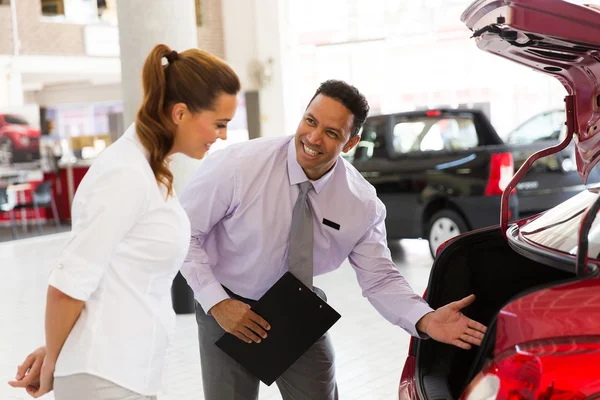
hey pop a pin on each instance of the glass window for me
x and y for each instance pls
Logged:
(52, 8)
(542, 127)
(76, 11)
(371, 142)
(199, 12)
(434, 134)
(14, 120)
(406, 134)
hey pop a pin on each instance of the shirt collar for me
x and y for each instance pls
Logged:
(296, 173)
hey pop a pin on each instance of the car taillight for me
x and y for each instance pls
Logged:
(502, 170)
(557, 369)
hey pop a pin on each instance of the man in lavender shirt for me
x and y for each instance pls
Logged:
(240, 205)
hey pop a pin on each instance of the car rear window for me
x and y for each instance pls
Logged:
(434, 134)
(558, 228)
(543, 127)
(14, 120)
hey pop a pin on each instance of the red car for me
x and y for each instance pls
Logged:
(18, 141)
(537, 281)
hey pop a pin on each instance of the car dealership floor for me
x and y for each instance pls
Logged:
(370, 352)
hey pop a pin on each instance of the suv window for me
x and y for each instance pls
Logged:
(14, 120)
(371, 144)
(434, 134)
(542, 127)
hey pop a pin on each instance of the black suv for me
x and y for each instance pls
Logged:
(441, 172)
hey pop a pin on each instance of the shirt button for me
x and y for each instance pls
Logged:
(60, 266)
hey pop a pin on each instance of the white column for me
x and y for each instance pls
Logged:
(11, 83)
(11, 88)
(15, 84)
(142, 25)
(255, 34)
(4, 89)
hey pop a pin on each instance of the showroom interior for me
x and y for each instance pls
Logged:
(449, 126)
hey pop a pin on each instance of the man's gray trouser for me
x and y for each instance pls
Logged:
(311, 377)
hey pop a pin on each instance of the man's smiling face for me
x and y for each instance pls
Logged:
(322, 135)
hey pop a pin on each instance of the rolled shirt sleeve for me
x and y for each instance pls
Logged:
(207, 198)
(382, 284)
(104, 210)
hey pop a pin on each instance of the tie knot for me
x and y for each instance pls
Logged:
(305, 187)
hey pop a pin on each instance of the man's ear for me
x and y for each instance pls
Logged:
(351, 143)
(178, 112)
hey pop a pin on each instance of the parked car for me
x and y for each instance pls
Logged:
(537, 280)
(548, 126)
(19, 142)
(553, 179)
(440, 173)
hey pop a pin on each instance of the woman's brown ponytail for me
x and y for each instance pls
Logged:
(193, 77)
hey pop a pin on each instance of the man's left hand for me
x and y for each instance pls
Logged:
(448, 325)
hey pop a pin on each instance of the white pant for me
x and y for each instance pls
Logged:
(90, 387)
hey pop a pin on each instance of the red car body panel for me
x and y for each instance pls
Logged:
(562, 40)
(555, 312)
(408, 382)
(16, 138)
(16, 132)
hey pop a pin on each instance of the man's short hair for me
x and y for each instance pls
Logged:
(350, 97)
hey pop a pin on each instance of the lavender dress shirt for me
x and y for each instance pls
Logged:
(240, 205)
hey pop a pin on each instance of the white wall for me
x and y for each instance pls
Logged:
(255, 31)
(76, 94)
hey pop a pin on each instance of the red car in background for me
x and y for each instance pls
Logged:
(19, 143)
(537, 281)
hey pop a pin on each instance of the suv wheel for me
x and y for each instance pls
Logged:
(443, 226)
(6, 152)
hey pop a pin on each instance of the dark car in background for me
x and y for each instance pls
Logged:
(536, 281)
(440, 173)
(552, 179)
(19, 142)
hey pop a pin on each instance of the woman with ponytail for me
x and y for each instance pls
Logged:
(109, 315)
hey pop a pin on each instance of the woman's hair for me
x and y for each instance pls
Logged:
(193, 77)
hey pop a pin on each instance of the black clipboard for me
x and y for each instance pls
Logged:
(298, 319)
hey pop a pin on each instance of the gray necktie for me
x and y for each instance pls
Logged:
(300, 258)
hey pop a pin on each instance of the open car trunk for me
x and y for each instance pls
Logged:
(481, 263)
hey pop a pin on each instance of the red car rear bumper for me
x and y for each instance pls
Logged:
(408, 383)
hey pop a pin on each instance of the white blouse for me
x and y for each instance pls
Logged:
(128, 242)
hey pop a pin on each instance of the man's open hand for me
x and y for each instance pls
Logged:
(448, 325)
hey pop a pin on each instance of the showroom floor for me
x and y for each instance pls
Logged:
(370, 352)
(32, 231)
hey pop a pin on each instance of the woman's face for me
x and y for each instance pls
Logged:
(196, 132)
